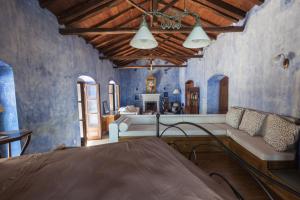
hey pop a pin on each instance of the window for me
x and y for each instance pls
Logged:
(114, 96)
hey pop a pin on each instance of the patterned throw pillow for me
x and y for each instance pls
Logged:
(252, 122)
(280, 133)
(234, 116)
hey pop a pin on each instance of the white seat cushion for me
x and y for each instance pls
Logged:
(257, 146)
(150, 130)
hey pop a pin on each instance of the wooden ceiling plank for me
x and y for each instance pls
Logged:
(126, 23)
(118, 15)
(111, 42)
(191, 51)
(89, 9)
(117, 46)
(178, 47)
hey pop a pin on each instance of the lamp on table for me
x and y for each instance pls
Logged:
(176, 104)
(1, 108)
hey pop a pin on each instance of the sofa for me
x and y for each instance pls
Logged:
(141, 126)
(129, 110)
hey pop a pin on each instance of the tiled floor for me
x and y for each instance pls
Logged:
(98, 142)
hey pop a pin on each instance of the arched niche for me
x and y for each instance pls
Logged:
(217, 94)
(9, 116)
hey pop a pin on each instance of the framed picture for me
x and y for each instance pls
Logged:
(105, 107)
(151, 84)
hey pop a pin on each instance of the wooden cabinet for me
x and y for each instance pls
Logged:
(106, 120)
(192, 100)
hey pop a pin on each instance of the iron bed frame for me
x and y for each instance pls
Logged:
(254, 172)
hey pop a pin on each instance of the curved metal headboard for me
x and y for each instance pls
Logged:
(254, 172)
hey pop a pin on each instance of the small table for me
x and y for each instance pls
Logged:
(8, 137)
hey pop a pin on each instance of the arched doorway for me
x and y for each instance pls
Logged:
(8, 116)
(89, 111)
(217, 94)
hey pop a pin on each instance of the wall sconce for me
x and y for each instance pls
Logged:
(283, 60)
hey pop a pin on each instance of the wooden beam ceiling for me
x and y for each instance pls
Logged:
(109, 25)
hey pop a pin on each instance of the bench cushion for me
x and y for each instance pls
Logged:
(234, 117)
(150, 130)
(280, 133)
(252, 122)
(257, 146)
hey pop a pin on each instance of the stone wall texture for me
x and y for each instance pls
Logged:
(255, 80)
(46, 66)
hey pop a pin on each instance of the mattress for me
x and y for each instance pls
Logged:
(143, 169)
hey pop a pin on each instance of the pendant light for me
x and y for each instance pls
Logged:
(143, 39)
(197, 38)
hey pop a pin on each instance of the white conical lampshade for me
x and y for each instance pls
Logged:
(197, 38)
(143, 39)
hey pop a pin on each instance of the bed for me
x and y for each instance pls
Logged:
(140, 169)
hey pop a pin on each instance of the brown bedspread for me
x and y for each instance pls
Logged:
(135, 170)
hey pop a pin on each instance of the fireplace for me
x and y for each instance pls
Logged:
(151, 106)
(151, 102)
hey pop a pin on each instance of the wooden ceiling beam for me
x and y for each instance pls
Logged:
(171, 50)
(139, 8)
(224, 7)
(148, 57)
(216, 12)
(118, 46)
(258, 2)
(148, 66)
(126, 23)
(111, 42)
(168, 5)
(114, 17)
(113, 31)
(207, 22)
(179, 46)
(85, 10)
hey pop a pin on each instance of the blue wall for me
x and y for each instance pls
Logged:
(46, 67)
(256, 81)
(8, 118)
(213, 94)
(133, 82)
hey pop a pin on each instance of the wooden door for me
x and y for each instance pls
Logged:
(111, 96)
(189, 84)
(223, 99)
(194, 100)
(92, 111)
(117, 97)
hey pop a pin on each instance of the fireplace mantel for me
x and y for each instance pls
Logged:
(151, 98)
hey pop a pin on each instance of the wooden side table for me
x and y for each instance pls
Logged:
(106, 120)
(8, 137)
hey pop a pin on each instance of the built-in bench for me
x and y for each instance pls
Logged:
(252, 149)
(141, 126)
